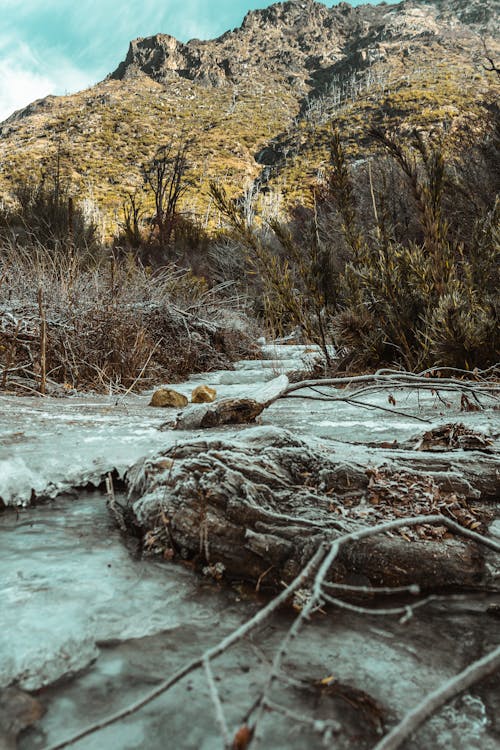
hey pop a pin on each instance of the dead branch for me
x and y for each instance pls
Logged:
(361, 404)
(313, 601)
(219, 711)
(322, 725)
(245, 409)
(321, 562)
(397, 380)
(43, 344)
(211, 653)
(432, 702)
(406, 611)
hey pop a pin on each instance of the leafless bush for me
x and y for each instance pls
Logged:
(116, 325)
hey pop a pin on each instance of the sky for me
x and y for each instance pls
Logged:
(63, 46)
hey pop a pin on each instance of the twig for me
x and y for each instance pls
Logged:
(349, 400)
(28, 388)
(413, 589)
(406, 610)
(432, 702)
(416, 521)
(155, 347)
(322, 725)
(115, 509)
(214, 695)
(400, 379)
(43, 344)
(386, 409)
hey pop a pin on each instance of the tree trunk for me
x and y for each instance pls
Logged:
(262, 503)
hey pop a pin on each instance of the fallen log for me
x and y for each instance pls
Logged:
(260, 505)
(243, 410)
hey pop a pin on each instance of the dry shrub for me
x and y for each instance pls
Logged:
(115, 326)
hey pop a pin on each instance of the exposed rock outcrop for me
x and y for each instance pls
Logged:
(254, 100)
(301, 40)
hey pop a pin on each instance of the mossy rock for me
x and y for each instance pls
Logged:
(203, 394)
(165, 397)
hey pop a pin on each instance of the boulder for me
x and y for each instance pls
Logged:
(165, 397)
(203, 394)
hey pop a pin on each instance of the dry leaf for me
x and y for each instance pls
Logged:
(327, 680)
(242, 737)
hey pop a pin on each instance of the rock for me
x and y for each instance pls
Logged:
(227, 411)
(18, 710)
(165, 397)
(203, 394)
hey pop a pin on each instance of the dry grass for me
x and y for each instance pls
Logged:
(114, 326)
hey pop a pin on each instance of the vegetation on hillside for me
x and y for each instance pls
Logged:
(143, 220)
(75, 314)
(396, 261)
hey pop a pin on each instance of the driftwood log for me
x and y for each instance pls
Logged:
(232, 410)
(259, 505)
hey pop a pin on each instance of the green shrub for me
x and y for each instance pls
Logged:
(432, 300)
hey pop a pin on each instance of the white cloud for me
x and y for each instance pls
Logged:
(53, 49)
(24, 77)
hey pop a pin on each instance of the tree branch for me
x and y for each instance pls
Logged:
(322, 560)
(432, 702)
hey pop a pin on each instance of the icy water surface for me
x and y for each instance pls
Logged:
(88, 627)
(48, 446)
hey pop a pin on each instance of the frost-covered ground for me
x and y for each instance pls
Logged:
(48, 446)
(91, 627)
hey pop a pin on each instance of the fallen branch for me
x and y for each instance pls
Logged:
(432, 702)
(246, 408)
(210, 653)
(321, 561)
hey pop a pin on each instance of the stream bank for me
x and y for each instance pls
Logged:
(89, 625)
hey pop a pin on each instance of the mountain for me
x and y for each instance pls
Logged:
(259, 101)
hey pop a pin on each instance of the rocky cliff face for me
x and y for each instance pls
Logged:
(294, 41)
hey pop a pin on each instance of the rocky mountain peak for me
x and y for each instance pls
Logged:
(291, 13)
(297, 39)
(260, 99)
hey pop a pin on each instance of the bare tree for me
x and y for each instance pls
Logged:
(133, 212)
(165, 176)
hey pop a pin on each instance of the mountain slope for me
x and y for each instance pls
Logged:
(258, 102)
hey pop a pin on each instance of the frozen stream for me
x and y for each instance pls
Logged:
(87, 627)
(51, 445)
